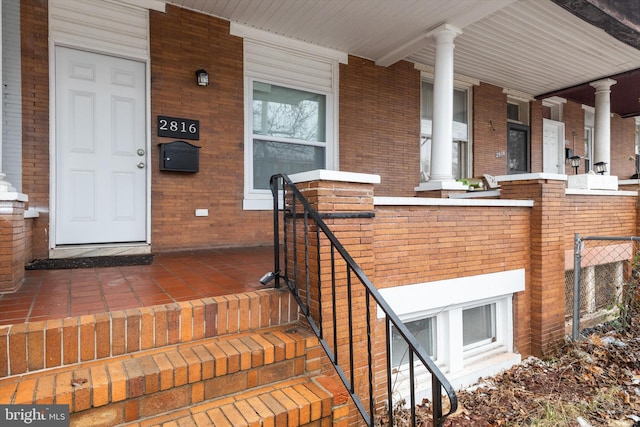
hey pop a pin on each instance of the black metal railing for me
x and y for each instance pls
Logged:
(326, 297)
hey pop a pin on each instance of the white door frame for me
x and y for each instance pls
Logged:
(97, 249)
(86, 22)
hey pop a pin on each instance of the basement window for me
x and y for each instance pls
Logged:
(465, 325)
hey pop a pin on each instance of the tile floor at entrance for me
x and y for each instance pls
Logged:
(171, 277)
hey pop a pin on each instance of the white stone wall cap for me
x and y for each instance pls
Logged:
(331, 175)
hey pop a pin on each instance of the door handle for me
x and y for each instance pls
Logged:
(140, 165)
(140, 152)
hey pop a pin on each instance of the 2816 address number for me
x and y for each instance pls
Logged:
(175, 127)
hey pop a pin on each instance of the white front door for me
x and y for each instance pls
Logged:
(552, 146)
(100, 156)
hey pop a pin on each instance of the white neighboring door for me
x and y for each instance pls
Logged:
(553, 146)
(100, 149)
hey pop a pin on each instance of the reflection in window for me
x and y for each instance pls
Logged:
(289, 131)
(424, 332)
(517, 149)
(270, 158)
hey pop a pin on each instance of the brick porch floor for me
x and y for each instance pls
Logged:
(172, 277)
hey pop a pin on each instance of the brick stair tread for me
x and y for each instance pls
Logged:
(294, 402)
(97, 383)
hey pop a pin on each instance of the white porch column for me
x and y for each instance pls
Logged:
(602, 128)
(442, 134)
(441, 164)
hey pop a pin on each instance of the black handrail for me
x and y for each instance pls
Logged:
(285, 194)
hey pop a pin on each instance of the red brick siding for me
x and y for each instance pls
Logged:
(380, 123)
(599, 216)
(35, 115)
(183, 41)
(424, 244)
(489, 130)
(623, 141)
(573, 117)
(536, 136)
(13, 234)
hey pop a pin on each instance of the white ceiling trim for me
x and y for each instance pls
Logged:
(254, 34)
(158, 5)
(429, 72)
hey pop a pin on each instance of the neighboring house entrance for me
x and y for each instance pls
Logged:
(553, 153)
(100, 155)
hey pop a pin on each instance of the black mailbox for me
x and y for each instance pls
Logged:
(179, 156)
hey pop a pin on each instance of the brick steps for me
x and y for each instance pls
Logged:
(30, 347)
(296, 402)
(143, 384)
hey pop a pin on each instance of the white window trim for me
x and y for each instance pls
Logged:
(261, 199)
(445, 300)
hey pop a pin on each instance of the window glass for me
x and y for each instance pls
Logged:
(517, 149)
(423, 330)
(478, 325)
(270, 158)
(289, 131)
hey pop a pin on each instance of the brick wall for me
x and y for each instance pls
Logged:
(380, 123)
(536, 135)
(599, 216)
(489, 130)
(623, 142)
(429, 243)
(573, 117)
(13, 234)
(35, 116)
(183, 41)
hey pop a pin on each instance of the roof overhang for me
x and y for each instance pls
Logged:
(530, 46)
(625, 94)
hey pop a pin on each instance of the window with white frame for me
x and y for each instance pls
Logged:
(291, 95)
(461, 102)
(456, 336)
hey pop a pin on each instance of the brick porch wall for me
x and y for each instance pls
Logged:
(13, 246)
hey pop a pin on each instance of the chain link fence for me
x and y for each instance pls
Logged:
(602, 285)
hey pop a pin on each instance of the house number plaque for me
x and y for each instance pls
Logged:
(175, 127)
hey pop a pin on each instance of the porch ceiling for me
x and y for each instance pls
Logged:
(532, 46)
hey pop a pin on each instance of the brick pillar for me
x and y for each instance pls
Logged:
(13, 235)
(351, 196)
(546, 288)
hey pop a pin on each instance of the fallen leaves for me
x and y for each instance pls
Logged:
(596, 380)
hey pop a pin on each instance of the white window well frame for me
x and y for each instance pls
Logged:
(446, 300)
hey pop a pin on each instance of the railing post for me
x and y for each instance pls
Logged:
(577, 261)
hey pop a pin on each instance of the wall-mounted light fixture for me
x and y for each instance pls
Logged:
(202, 77)
(600, 167)
(575, 163)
